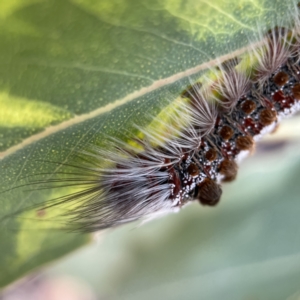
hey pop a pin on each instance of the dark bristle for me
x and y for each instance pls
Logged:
(227, 65)
(191, 91)
(175, 182)
(278, 32)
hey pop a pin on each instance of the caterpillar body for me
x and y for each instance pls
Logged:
(224, 115)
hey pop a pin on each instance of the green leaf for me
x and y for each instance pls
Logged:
(73, 72)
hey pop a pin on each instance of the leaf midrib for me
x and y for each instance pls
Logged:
(130, 97)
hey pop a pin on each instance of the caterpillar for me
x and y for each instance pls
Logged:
(220, 118)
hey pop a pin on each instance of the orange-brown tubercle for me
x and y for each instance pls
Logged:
(228, 168)
(267, 116)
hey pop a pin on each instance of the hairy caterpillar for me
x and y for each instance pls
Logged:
(226, 113)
